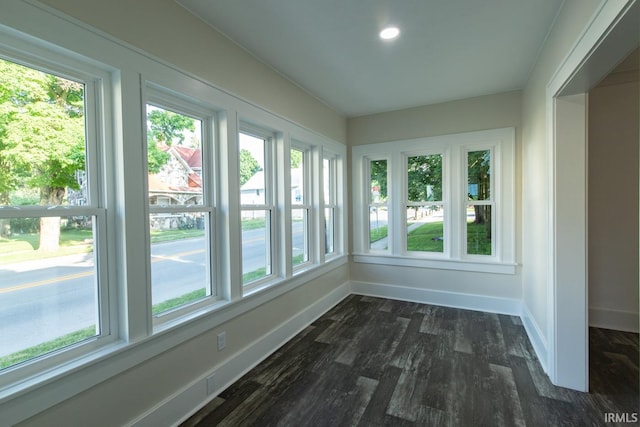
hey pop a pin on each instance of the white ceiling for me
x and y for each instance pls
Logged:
(447, 49)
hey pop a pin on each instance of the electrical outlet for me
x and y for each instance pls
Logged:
(222, 340)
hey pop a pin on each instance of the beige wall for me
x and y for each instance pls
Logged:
(166, 30)
(569, 25)
(474, 114)
(614, 112)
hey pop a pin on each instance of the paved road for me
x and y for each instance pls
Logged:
(42, 300)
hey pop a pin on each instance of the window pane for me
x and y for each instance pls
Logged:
(174, 157)
(300, 243)
(42, 138)
(479, 230)
(328, 231)
(297, 177)
(48, 286)
(256, 248)
(378, 230)
(425, 228)
(252, 178)
(179, 262)
(424, 178)
(327, 180)
(378, 181)
(479, 172)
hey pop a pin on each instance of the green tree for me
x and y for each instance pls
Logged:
(479, 172)
(248, 166)
(164, 128)
(167, 127)
(379, 178)
(42, 138)
(424, 179)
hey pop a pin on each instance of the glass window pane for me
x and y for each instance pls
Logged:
(327, 179)
(256, 247)
(179, 261)
(174, 158)
(300, 242)
(378, 181)
(378, 229)
(328, 231)
(48, 286)
(297, 177)
(479, 172)
(425, 228)
(424, 178)
(479, 230)
(42, 138)
(252, 178)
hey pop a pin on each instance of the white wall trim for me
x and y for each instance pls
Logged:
(613, 319)
(447, 299)
(560, 321)
(184, 403)
(536, 337)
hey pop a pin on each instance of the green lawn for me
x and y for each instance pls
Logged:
(426, 238)
(47, 347)
(376, 234)
(169, 235)
(477, 241)
(178, 301)
(24, 247)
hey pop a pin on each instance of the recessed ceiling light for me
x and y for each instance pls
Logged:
(389, 33)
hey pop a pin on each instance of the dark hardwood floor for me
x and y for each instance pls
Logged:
(378, 362)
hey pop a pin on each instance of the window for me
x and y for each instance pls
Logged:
(424, 204)
(53, 292)
(180, 205)
(378, 208)
(480, 205)
(256, 205)
(300, 205)
(329, 186)
(445, 202)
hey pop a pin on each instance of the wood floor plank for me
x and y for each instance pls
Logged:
(376, 362)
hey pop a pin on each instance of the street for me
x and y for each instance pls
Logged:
(46, 299)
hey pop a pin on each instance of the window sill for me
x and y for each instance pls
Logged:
(442, 264)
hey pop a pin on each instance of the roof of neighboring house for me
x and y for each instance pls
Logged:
(191, 158)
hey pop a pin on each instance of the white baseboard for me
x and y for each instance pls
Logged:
(536, 337)
(181, 405)
(443, 298)
(613, 319)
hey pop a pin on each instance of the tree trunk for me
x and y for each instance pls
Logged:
(50, 226)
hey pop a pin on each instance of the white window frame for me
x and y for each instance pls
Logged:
(308, 196)
(98, 161)
(331, 203)
(271, 189)
(453, 147)
(157, 97)
(33, 33)
(445, 203)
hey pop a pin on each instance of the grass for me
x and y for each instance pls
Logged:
(376, 234)
(169, 304)
(82, 334)
(47, 347)
(24, 247)
(251, 224)
(477, 241)
(170, 235)
(426, 238)
(254, 275)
